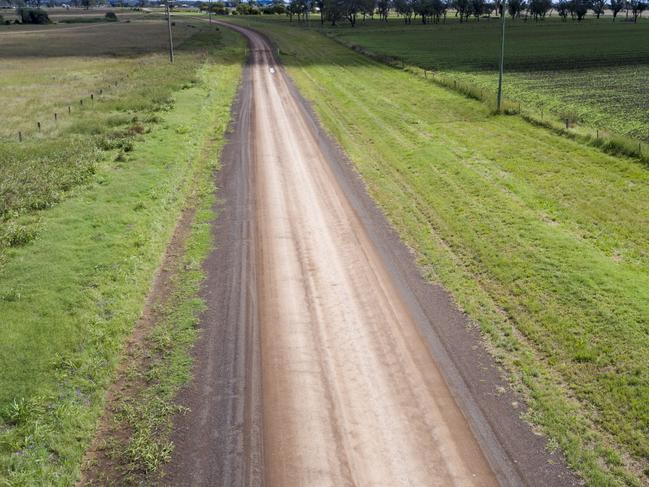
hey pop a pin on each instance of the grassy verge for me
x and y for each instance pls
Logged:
(551, 67)
(546, 111)
(540, 239)
(69, 297)
(134, 439)
(103, 105)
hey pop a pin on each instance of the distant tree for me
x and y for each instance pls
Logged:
(367, 8)
(247, 9)
(440, 7)
(383, 8)
(335, 10)
(540, 8)
(278, 6)
(404, 7)
(32, 15)
(300, 8)
(291, 10)
(88, 3)
(351, 10)
(478, 8)
(462, 9)
(423, 8)
(319, 4)
(563, 10)
(218, 8)
(637, 7)
(515, 7)
(616, 7)
(578, 9)
(489, 8)
(598, 6)
(307, 8)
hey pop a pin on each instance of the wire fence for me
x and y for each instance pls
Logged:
(567, 124)
(51, 120)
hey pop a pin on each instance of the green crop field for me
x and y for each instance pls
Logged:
(88, 203)
(596, 70)
(541, 239)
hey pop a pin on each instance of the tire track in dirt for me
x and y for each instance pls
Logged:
(367, 374)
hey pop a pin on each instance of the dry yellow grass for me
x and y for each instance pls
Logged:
(45, 69)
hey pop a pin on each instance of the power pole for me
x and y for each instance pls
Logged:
(210, 7)
(502, 57)
(171, 40)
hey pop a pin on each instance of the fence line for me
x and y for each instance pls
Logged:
(599, 137)
(40, 126)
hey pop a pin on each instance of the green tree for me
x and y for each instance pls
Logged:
(478, 8)
(423, 8)
(463, 9)
(300, 8)
(404, 7)
(563, 10)
(515, 7)
(278, 6)
(351, 10)
(637, 7)
(616, 7)
(578, 9)
(599, 7)
(32, 15)
(540, 8)
(335, 10)
(383, 8)
(319, 4)
(367, 7)
(440, 7)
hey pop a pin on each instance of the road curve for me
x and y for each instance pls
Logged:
(324, 358)
(351, 394)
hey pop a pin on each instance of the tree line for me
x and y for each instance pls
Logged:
(434, 11)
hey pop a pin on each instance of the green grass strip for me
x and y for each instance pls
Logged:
(70, 297)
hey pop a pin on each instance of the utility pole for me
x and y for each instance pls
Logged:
(171, 41)
(502, 57)
(210, 7)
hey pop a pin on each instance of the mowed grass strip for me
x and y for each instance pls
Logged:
(541, 240)
(70, 297)
(596, 71)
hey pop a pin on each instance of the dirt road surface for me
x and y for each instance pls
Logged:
(325, 360)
